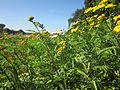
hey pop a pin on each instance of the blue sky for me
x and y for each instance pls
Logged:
(52, 13)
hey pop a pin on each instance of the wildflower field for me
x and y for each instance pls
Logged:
(86, 57)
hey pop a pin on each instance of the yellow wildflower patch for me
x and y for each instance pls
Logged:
(101, 6)
(77, 22)
(62, 47)
(62, 42)
(117, 28)
(97, 25)
(100, 18)
(75, 29)
(95, 15)
(95, 8)
(60, 50)
(90, 19)
(102, 15)
(88, 10)
(116, 18)
(110, 5)
(118, 22)
(92, 24)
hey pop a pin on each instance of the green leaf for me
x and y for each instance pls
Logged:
(61, 86)
(85, 68)
(106, 49)
(94, 84)
(49, 81)
(82, 73)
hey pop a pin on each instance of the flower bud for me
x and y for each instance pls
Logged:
(30, 18)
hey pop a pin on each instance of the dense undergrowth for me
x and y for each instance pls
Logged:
(86, 57)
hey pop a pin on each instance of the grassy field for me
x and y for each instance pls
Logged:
(86, 57)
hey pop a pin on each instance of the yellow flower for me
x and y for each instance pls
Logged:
(117, 28)
(101, 6)
(82, 21)
(62, 47)
(98, 7)
(116, 18)
(95, 8)
(92, 24)
(110, 5)
(103, 1)
(118, 22)
(101, 17)
(95, 15)
(88, 18)
(62, 42)
(60, 50)
(75, 29)
(76, 22)
(97, 25)
(46, 33)
(30, 18)
(88, 10)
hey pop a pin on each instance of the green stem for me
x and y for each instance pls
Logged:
(35, 26)
(48, 50)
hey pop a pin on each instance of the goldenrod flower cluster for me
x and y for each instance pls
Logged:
(98, 7)
(95, 20)
(117, 20)
(110, 5)
(36, 36)
(75, 27)
(102, 4)
(101, 17)
(33, 36)
(62, 47)
(88, 10)
(45, 33)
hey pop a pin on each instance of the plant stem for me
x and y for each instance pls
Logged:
(35, 26)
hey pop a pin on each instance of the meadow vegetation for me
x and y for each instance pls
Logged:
(86, 57)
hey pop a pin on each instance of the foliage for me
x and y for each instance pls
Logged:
(79, 13)
(85, 57)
